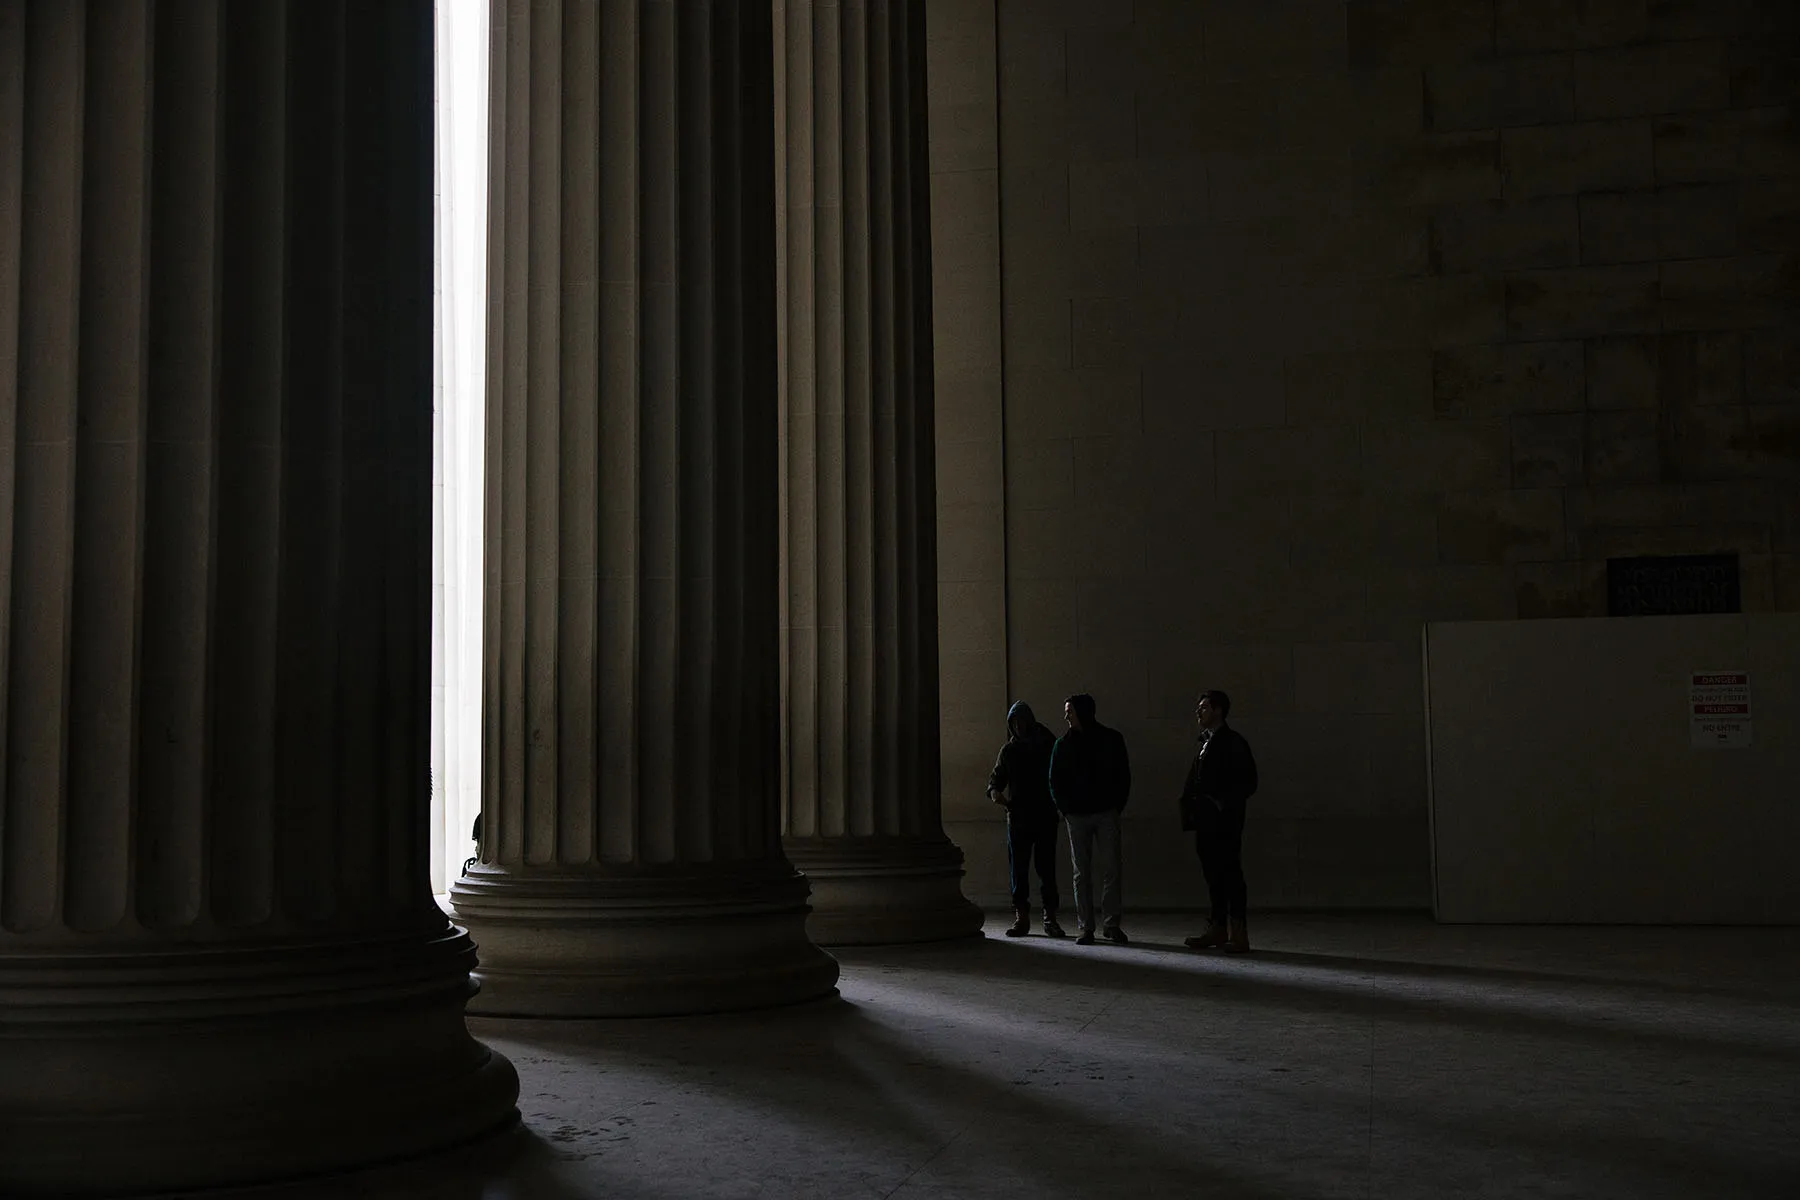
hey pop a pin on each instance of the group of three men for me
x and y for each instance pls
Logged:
(1084, 778)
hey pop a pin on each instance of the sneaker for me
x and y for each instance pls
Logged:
(1086, 939)
(1115, 934)
(1052, 929)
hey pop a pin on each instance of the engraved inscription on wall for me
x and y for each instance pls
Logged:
(1673, 585)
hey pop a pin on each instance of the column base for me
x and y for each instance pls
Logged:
(205, 1067)
(870, 891)
(632, 941)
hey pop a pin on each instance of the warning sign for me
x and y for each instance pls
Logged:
(1719, 709)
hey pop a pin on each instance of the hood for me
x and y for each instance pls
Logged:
(1019, 714)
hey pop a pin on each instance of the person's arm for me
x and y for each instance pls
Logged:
(1190, 786)
(998, 777)
(1237, 774)
(1059, 767)
(1189, 804)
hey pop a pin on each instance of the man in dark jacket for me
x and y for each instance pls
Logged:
(1213, 802)
(1090, 780)
(1020, 781)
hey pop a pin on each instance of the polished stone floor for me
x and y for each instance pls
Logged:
(1351, 1056)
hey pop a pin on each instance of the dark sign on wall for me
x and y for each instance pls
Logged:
(1672, 585)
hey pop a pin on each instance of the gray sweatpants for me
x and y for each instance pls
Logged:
(1095, 836)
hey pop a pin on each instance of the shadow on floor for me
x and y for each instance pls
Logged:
(851, 1077)
(1777, 987)
(853, 1081)
(1343, 986)
(514, 1164)
(1774, 952)
(880, 1079)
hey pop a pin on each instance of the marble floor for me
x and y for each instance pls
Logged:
(1350, 1056)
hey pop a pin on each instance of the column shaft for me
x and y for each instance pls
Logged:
(219, 955)
(859, 617)
(631, 858)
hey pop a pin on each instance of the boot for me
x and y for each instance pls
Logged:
(1214, 936)
(1021, 924)
(1051, 928)
(1237, 937)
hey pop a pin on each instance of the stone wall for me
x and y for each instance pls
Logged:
(1323, 319)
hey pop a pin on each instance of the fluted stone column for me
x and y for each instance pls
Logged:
(220, 960)
(859, 616)
(631, 857)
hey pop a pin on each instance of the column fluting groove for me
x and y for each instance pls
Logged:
(631, 859)
(219, 954)
(861, 812)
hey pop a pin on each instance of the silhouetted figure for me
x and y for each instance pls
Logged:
(1020, 781)
(474, 836)
(1213, 802)
(1090, 780)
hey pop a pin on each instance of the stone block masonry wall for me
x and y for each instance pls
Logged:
(1326, 318)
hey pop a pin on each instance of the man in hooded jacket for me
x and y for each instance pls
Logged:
(1020, 782)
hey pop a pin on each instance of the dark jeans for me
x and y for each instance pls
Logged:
(1026, 840)
(1220, 844)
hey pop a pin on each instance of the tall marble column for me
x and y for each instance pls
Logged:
(859, 614)
(220, 960)
(631, 856)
